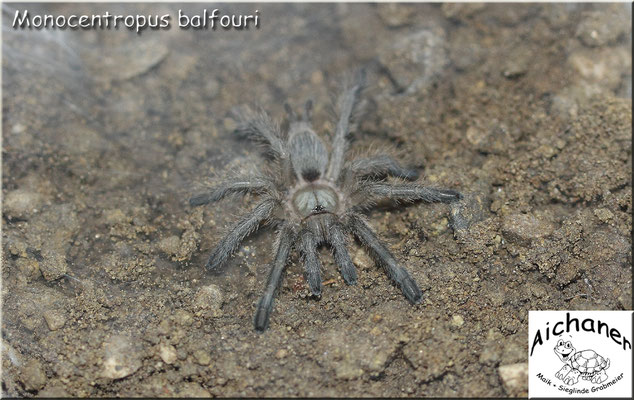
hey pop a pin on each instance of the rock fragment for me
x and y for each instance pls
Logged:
(457, 320)
(32, 376)
(20, 203)
(603, 214)
(168, 353)
(208, 301)
(514, 378)
(417, 60)
(169, 245)
(55, 319)
(53, 266)
(522, 229)
(202, 357)
(468, 211)
(121, 358)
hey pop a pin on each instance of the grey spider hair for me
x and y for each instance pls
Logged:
(317, 197)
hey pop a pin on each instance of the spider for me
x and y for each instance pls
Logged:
(317, 197)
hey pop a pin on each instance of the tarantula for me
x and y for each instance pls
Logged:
(317, 197)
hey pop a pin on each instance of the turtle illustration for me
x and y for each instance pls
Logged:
(586, 364)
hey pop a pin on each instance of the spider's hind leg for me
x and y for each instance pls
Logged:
(381, 165)
(337, 240)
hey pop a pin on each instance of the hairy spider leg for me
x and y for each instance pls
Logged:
(382, 256)
(337, 240)
(245, 226)
(241, 185)
(348, 100)
(411, 192)
(312, 266)
(381, 165)
(308, 111)
(259, 126)
(265, 305)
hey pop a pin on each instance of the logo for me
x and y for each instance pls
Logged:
(580, 354)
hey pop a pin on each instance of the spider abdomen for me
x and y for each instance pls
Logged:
(309, 156)
(315, 198)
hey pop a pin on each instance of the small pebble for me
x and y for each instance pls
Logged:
(603, 214)
(362, 260)
(28, 267)
(522, 229)
(20, 203)
(514, 378)
(517, 63)
(55, 319)
(170, 245)
(457, 320)
(347, 370)
(202, 357)
(53, 266)
(281, 353)
(461, 11)
(209, 299)
(183, 317)
(32, 375)
(18, 128)
(168, 353)
(16, 247)
(416, 60)
(121, 358)
(53, 392)
(115, 216)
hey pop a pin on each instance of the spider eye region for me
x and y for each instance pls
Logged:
(315, 199)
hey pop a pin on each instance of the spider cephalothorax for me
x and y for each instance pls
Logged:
(317, 197)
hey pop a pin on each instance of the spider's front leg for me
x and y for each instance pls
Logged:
(348, 102)
(382, 256)
(308, 249)
(246, 225)
(265, 305)
(259, 127)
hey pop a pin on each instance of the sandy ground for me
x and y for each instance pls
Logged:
(524, 108)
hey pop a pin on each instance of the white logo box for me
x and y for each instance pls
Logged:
(579, 354)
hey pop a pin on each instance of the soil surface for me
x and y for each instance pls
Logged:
(524, 108)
